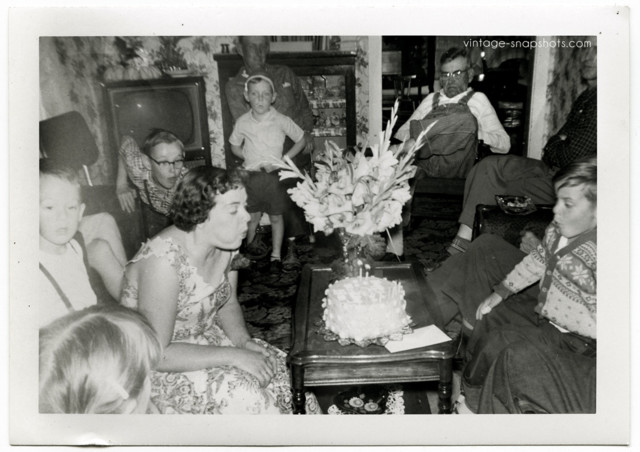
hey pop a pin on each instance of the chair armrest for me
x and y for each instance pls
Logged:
(490, 219)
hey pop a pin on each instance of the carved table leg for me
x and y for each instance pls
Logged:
(445, 386)
(297, 375)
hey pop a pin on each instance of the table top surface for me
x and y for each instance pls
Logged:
(310, 347)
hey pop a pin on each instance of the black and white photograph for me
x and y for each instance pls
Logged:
(416, 251)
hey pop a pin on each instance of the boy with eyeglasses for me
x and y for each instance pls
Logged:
(155, 171)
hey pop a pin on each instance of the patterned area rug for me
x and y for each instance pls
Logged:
(267, 299)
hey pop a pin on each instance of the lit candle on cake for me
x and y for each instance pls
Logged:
(359, 264)
(367, 267)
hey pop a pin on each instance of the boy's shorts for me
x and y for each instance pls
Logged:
(265, 193)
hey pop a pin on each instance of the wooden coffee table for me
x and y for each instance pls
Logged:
(317, 362)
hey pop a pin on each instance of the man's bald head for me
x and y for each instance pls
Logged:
(254, 51)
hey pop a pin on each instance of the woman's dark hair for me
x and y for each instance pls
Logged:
(196, 194)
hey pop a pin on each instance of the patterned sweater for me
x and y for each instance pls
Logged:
(567, 278)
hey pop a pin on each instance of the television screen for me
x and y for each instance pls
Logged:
(177, 105)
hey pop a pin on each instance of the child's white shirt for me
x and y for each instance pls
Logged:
(262, 140)
(70, 273)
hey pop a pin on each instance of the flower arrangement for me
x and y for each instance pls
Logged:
(361, 192)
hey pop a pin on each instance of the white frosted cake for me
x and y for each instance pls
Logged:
(362, 308)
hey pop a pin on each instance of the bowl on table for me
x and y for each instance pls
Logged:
(515, 205)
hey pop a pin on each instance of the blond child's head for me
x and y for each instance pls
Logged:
(97, 361)
(61, 205)
(576, 186)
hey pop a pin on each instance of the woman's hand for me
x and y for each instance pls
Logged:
(487, 305)
(256, 363)
(126, 197)
(256, 347)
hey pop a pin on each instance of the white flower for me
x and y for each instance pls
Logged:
(361, 193)
(362, 224)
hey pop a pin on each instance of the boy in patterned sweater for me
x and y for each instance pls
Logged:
(536, 352)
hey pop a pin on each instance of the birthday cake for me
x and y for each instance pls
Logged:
(363, 308)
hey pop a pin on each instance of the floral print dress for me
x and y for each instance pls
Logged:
(218, 390)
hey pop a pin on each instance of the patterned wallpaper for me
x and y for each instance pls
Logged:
(565, 81)
(71, 71)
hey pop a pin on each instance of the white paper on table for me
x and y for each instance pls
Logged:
(422, 337)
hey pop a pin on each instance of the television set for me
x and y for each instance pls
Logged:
(135, 107)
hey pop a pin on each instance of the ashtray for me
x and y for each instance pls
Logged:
(515, 205)
(361, 401)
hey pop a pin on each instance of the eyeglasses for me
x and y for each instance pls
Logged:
(454, 75)
(166, 165)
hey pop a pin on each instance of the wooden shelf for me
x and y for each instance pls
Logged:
(328, 103)
(303, 64)
(338, 131)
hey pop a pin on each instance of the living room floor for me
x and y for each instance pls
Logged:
(267, 300)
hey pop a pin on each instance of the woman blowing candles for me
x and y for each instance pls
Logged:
(184, 282)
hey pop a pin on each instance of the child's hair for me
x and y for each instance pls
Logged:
(49, 167)
(257, 78)
(92, 361)
(158, 136)
(582, 171)
(196, 194)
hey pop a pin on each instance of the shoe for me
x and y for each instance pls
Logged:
(239, 262)
(432, 266)
(275, 267)
(392, 257)
(458, 245)
(256, 250)
(460, 406)
(291, 262)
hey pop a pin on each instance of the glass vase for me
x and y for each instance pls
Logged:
(358, 254)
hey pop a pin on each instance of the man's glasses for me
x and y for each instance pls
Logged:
(455, 75)
(166, 165)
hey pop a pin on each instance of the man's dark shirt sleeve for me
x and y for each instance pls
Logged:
(581, 131)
